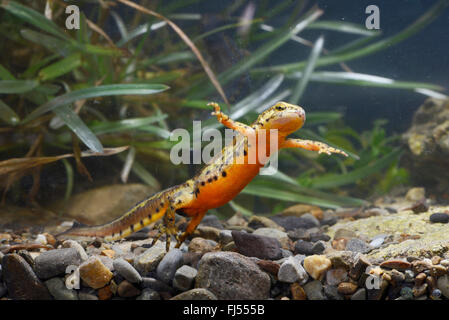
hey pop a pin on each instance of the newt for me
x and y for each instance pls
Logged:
(217, 183)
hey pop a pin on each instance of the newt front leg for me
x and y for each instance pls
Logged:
(312, 146)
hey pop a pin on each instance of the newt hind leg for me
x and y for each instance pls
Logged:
(194, 222)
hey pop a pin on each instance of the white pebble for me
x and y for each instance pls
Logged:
(41, 239)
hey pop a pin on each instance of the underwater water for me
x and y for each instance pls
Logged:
(106, 119)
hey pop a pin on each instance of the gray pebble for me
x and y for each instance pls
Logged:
(299, 234)
(59, 291)
(155, 284)
(149, 260)
(261, 247)
(75, 245)
(149, 294)
(378, 241)
(357, 245)
(360, 294)
(195, 294)
(305, 221)
(303, 247)
(211, 221)
(55, 262)
(318, 247)
(409, 275)
(291, 271)
(184, 278)
(126, 270)
(86, 296)
(439, 217)
(332, 293)
(169, 264)
(443, 285)
(406, 293)
(225, 237)
(314, 290)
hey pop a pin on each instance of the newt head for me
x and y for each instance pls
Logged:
(283, 116)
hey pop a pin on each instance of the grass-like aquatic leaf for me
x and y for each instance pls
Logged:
(8, 115)
(74, 122)
(17, 86)
(342, 26)
(239, 208)
(5, 74)
(100, 91)
(126, 124)
(61, 67)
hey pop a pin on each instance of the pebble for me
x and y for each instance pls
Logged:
(418, 291)
(281, 236)
(41, 239)
(420, 206)
(347, 288)
(377, 241)
(59, 291)
(292, 271)
(169, 264)
(75, 245)
(319, 236)
(406, 293)
(195, 294)
(211, 221)
(155, 284)
(230, 275)
(299, 234)
(409, 276)
(225, 237)
(126, 270)
(306, 221)
(329, 218)
(415, 194)
(149, 294)
(269, 266)
(421, 265)
(86, 296)
(344, 233)
(149, 260)
(261, 247)
(94, 273)
(438, 270)
(360, 294)
(397, 264)
(318, 247)
(359, 266)
(16, 273)
(3, 290)
(202, 245)
(436, 294)
(335, 276)
(257, 222)
(55, 262)
(358, 245)
(184, 278)
(207, 232)
(439, 217)
(443, 285)
(297, 292)
(317, 265)
(127, 290)
(237, 220)
(303, 247)
(314, 290)
(331, 293)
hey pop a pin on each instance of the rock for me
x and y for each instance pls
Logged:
(184, 278)
(421, 265)
(377, 241)
(418, 291)
(195, 294)
(318, 247)
(301, 209)
(319, 236)
(359, 266)
(207, 232)
(211, 220)
(105, 293)
(155, 285)
(257, 246)
(435, 294)
(396, 264)
(21, 281)
(281, 236)
(169, 264)
(335, 276)
(439, 217)
(341, 259)
(331, 293)
(94, 273)
(101, 205)
(443, 285)
(149, 294)
(344, 233)
(257, 222)
(297, 292)
(3, 290)
(108, 253)
(377, 294)
(357, 245)
(306, 221)
(420, 206)
(75, 245)
(314, 290)
(329, 218)
(202, 245)
(237, 220)
(225, 237)
(360, 294)
(316, 266)
(409, 275)
(438, 270)
(347, 288)
(269, 266)
(292, 271)
(126, 270)
(86, 296)
(59, 291)
(303, 247)
(406, 293)
(127, 290)
(149, 260)
(55, 262)
(396, 277)
(231, 275)
(299, 234)
(41, 239)
(415, 194)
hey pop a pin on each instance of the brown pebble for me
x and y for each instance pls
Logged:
(419, 290)
(96, 243)
(420, 266)
(420, 278)
(297, 291)
(127, 290)
(420, 206)
(339, 244)
(397, 264)
(436, 259)
(438, 270)
(431, 283)
(105, 293)
(108, 253)
(347, 288)
(269, 266)
(50, 239)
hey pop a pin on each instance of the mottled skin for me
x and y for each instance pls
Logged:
(217, 183)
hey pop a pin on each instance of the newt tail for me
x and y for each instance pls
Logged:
(218, 182)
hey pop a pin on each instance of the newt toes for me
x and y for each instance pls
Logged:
(216, 184)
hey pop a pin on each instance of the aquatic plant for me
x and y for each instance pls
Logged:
(61, 87)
